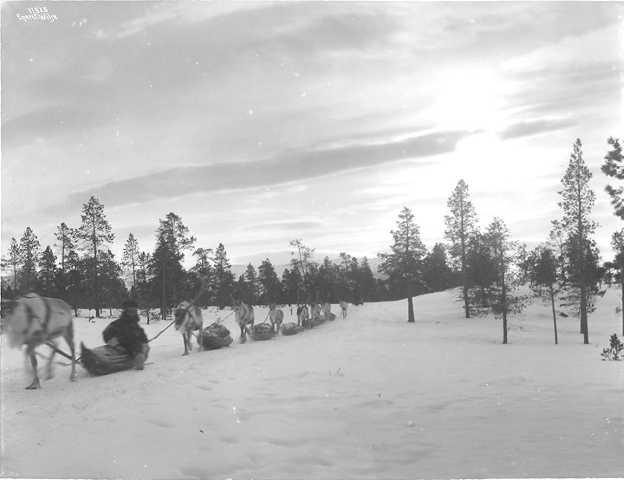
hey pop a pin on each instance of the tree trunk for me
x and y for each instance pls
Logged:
(410, 310)
(95, 284)
(584, 325)
(552, 302)
(622, 292)
(163, 302)
(466, 307)
(504, 302)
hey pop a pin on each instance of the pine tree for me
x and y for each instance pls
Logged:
(130, 258)
(577, 201)
(614, 167)
(65, 238)
(504, 253)
(405, 262)
(543, 275)
(47, 273)
(461, 225)
(13, 260)
(94, 232)
(270, 288)
(303, 262)
(224, 279)
(617, 242)
(29, 249)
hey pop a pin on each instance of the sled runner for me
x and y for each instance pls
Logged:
(263, 331)
(291, 328)
(105, 359)
(214, 336)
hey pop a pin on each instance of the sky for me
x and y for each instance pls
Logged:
(259, 123)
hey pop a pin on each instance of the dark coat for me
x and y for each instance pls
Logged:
(126, 329)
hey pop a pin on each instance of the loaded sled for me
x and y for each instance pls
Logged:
(262, 331)
(291, 328)
(105, 359)
(214, 336)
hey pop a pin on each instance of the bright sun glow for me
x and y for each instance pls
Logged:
(468, 99)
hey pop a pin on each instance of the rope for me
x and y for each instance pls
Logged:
(160, 333)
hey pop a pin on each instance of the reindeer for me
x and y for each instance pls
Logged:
(244, 317)
(276, 316)
(36, 320)
(343, 307)
(303, 316)
(188, 318)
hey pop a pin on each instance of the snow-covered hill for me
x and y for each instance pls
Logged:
(370, 396)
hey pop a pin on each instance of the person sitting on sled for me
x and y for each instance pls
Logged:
(125, 333)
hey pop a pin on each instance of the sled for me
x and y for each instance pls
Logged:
(317, 321)
(105, 359)
(331, 317)
(291, 328)
(262, 331)
(214, 336)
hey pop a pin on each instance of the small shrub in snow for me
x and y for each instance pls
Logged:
(615, 350)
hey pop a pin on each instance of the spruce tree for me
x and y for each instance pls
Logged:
(130, 258)
(437, 274)
(252, 285)
(65, 238)
(617, 242)
(13, 260)
(29, 249)
(168, 275)
(270, 288)
(461, 225)
(47, 273)
(95, 232)
(405, 262)
(614, 168)
(224, 279)
(203, 276)
(577, 201)
(544, 277)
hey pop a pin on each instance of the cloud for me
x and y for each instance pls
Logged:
(535, 127)
(286, 225)
(283, 168)
(47, 121)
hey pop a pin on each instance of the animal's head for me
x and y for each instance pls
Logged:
(18, 324)
(272, 306)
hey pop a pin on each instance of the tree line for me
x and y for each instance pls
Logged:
(81, 269)
(565, 269)
(485, 263)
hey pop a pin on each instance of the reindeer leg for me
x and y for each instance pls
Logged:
(69, 339)
(185, 342)
(33, 361)
(49, 370)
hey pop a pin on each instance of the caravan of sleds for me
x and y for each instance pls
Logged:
(35, 320)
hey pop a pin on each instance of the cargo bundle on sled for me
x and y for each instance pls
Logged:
(331, 317)
(105, 359)
(214, 336)
(291, 328)
(262, 331)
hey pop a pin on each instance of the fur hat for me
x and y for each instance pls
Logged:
(129, 304)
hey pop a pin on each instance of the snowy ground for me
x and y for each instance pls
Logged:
(366, 397)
